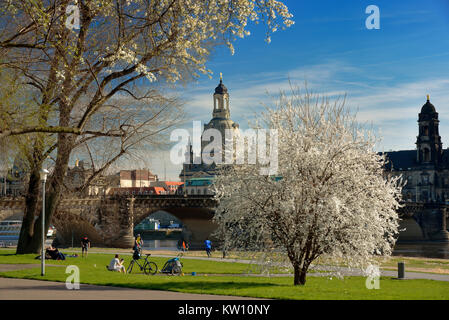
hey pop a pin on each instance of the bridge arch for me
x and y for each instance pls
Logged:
(196, 217)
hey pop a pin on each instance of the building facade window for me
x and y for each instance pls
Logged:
(426, 155)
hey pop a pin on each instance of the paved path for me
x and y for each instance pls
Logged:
(417, 275)
(21, 289)
(24, 289)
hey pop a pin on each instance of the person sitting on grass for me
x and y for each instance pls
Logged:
(116, 264)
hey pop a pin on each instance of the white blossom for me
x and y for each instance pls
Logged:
(331, 198)
(170, 38)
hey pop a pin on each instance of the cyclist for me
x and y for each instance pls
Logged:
(138, 243)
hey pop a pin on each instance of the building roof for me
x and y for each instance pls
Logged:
(173, 183)
(221, 88)
(159, 190)
(402, 159)
(200, 181)
(405, 159)
(428, 108)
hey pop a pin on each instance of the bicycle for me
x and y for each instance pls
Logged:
(148, 267)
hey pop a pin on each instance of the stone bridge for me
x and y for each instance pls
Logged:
(424, 221)
(110, 220)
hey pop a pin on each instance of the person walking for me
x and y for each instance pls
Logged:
(85, 245)
(208, 245)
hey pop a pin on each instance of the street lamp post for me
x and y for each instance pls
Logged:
(44, 174)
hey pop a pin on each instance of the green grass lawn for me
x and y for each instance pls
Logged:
(97, 261)
(418, 263)
(93, 271)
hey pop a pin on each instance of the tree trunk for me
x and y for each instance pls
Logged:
(30, 240)
(300, 275)
(31, 231)
(29, 227)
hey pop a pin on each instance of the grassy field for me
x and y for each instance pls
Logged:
(97, 261)
(428, 265)
(440, 266)
(233, 280)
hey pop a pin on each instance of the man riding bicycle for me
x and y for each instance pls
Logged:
(138, 243)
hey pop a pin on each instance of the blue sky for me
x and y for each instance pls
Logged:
(385, 73)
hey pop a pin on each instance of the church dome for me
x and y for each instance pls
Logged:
(221, 89)
(222, 123)
(428, 108)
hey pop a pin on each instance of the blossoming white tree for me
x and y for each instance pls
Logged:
(330, 197)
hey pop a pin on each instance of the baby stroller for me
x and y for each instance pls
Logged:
(173, 266)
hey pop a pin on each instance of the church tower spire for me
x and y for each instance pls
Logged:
(428, 143)
(221, 101)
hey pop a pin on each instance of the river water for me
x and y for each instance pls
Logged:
(160, 244)
(438, 250)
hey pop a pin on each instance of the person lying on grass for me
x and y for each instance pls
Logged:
(52, 253)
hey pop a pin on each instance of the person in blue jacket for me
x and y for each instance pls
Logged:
(208, 245)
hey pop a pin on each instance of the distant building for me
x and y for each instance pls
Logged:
(77, 176)
(425, 168)
(136, 178)
(148, 224)
(199, 186)
(170, 186)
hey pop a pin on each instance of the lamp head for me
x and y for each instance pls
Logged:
(44, 174)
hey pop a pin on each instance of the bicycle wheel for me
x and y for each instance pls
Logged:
(150, 268)
(130, 267)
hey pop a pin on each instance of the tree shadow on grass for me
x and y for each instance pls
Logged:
(195, 286)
